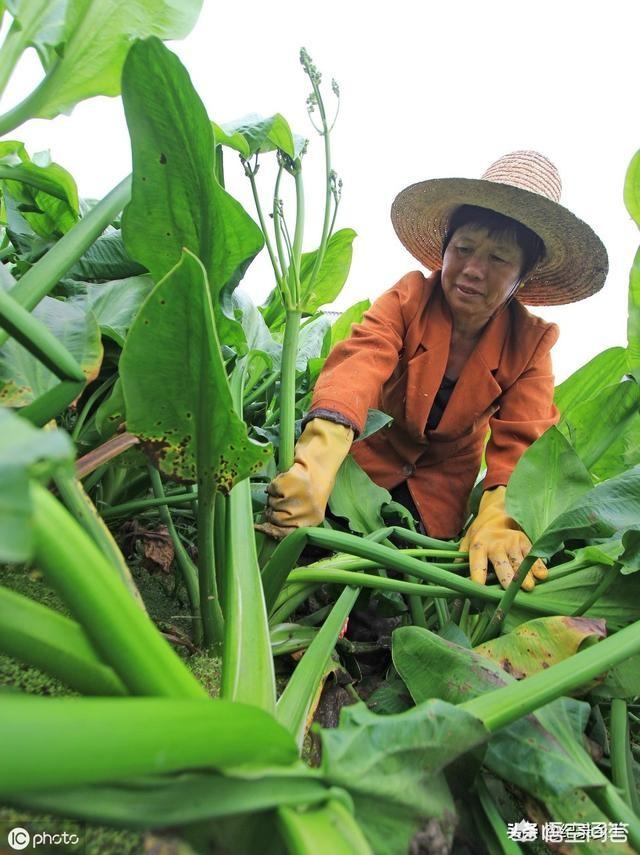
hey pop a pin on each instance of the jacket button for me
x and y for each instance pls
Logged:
(408, 469)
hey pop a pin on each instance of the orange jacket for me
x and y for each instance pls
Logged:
(395, 361)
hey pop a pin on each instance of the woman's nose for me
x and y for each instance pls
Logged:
(474, 266)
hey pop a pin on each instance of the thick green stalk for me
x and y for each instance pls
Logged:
(50, 404)
(44, 275)
(331, 828)
(288, 389)
(503, 706)
(369, 580)
(83, 509)
(601, 588)
(286, 554)
(13, 46)
(56, 645)
(277, 231)
(286, 605)
(187, 567)
(263, 225)
(621, 762)
(119, 630)
(210, 607)
(30, 106)
(247, 664)
(295, 702)
(37, 339)
(617, 810)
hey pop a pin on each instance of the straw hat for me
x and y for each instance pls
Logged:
(525, 186)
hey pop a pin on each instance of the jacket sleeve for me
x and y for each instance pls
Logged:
(526, 410)
(356, 368)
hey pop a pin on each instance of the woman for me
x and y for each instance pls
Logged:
(451, 355)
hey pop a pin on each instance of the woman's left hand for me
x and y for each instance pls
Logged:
(494, 536)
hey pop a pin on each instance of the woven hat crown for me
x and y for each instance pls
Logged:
(528, 170)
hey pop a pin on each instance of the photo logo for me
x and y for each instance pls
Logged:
(19, 838)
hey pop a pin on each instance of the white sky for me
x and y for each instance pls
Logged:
(427, 91)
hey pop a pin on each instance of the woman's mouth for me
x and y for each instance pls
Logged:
(468, 292)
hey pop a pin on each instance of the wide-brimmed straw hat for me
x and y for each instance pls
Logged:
(525, 186)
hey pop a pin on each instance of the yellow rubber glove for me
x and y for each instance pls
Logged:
(494, 536)
(299, 496)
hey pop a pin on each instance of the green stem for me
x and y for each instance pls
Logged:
(296, 249)
(299, 595)
(86, 409)
(135, 505)
(266, 384)
(288, 389)
(50, 404)
(507, 599)
(56, 645)
(601, 588)
(265, 231)
(43, 276)
(210, 608)
(15, 43)
(503, 706)
(83, 509)
(621, 760)
(277, 231)
(368, 580)
(327, 223)
(37, 339)
(31, 106)
(121, 633)
(187, 567)
(616, 809)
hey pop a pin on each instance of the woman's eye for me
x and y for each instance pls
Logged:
(498, 258)
(463, 250)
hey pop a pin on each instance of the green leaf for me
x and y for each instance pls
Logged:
(333, 824)
(376, 420)
(633, 316)
(341, 327)
(260, 134)
(632, 188)
(540, 643)
(622, 681)
(599, 423)
(257, 334)
(115, 304)
(311, 340)
(540, 752)
(610, 507)
(604, 369)
(176, 201)
(357, 498)
(25, 453)
(106, 258)
(152, 803)
(44, 192)
(23, 378)
(68, 742)
(392, 766)
(548, 478)
(91, 46)
(630, 556)
(175, 386)
(618, 606)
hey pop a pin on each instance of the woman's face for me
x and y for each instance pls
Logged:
(478, 273)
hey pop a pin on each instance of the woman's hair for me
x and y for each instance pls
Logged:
(498, 225)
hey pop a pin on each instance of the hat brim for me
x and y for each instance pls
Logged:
(575, 264)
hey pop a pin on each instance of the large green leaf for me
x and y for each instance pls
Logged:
(632, 188)
(633, 319)
(90, 40)
(23, 378)
(329, 281)
(540, 643)
(548, 478)
(601, 422)
(622, 681)
(619, 605)
(115, 304)
(176, 201)
(106, 258)
(259, 133)
(45, 193)
(604, 369)
(311, 341)
(540, 753)
(73, 741)
(392, 766)
(610, 507)
(341, 328)
(25, 452)
(175, 386)
(356, 497)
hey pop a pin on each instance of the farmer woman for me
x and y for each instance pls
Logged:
(451, 355)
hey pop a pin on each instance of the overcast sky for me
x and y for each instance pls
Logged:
(427, 91)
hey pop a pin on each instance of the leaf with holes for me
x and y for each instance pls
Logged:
(176, 391)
